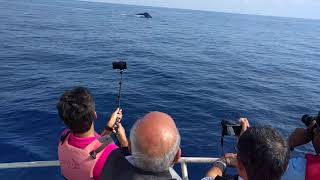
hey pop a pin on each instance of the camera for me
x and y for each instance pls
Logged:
(230, 128)
(121, 65)
(307, 119)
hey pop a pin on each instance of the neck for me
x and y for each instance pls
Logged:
(89, 133)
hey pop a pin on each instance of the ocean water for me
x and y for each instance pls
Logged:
(200, 67)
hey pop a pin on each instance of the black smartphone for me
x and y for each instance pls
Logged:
(119, 65)
(230, 128)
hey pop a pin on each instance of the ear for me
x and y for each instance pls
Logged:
(239, 165)
(95, 115)
(241, 170)
(129, 147)
(177, 156)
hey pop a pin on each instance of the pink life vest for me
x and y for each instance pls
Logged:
(82, 164)
(312, 167)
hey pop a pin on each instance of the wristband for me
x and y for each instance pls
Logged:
(219, 164)
(107, 128)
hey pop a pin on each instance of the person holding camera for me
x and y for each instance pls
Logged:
(262, 155)
(307, 167)
(82, 152)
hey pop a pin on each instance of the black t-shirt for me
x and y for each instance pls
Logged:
(117, 167)
(228, 177)
(220, 178)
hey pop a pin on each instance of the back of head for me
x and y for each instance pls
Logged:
(155, 142)
(77, 109)
(264, 153)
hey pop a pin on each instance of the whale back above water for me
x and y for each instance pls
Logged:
(145, 15)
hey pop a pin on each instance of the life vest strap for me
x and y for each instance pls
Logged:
(105, 142)
(64, 136)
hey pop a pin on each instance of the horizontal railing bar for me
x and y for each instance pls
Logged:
(28, 164)
(199, 160)
(32, 164)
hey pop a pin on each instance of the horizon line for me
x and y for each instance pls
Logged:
(205, 10)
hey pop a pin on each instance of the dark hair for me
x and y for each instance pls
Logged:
(77, 109)
(264, 153)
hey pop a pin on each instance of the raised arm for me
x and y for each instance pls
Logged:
(111, 127)
(216, 172)
(229, 159)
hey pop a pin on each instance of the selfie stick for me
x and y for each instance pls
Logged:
(120, 86)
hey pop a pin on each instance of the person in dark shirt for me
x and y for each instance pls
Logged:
(262, 155)
(308, 165)
(155, 147)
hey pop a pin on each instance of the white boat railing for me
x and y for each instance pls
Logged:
(197, 160)
(183, 161)
(31, 164)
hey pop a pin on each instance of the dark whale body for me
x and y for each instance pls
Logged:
(146, 15)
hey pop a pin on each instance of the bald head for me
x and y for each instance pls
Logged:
(156, 133)
(156, 139)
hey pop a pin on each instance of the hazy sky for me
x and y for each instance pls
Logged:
(289, 8)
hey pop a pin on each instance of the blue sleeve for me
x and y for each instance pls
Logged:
(296, 169)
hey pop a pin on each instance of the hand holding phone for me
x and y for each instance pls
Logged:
(230, 128)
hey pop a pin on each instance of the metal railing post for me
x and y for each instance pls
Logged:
(184, 170)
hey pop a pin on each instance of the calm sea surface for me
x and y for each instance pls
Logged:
(200, 67)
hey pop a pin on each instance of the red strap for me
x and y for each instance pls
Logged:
(312, 167)
(100, 162)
